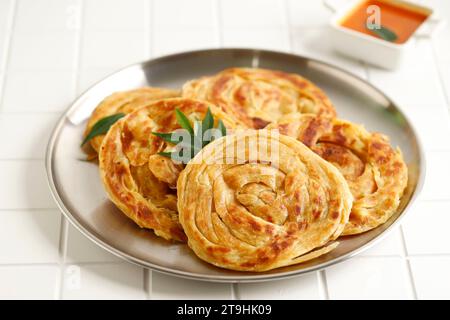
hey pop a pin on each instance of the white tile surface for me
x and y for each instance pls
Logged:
(437, 176)
(423, 77)
(426, 228)
(303, 287)
(431, 277)
(47, 50)
(89, 77)
(168, 287)
(444, 61)
(170, 40)
(441, 41)
(304, 42)
(25, 136)
(113, 49)
(422, 117)
(38, 91)
(47, 15)
(173, 13)
(111, 15)
(5, 10)
(274, 38)
(368, 278)
(390, 246)
(1, 85)
(252, 13)
(28, 282)
(41, 77)
(23, 184)
(104, 281)
(307, 13)
(81, 249)
(29, 236)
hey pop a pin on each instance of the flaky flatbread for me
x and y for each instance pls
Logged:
(255, 211)
(260, 96)
(138, 180)
(376, 173)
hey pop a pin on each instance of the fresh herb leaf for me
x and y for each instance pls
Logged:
(175, 141)
(102, 126)
(186, 150)
(183, 121)
(165, 154)
(222, 128)
(208, 121)
(385, 34)
(176, 156)
(166, 137)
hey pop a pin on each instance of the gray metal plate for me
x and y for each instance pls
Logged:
(76, 186)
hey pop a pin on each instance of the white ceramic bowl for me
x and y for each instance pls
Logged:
(373, 50)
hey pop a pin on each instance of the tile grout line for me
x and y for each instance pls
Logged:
(148, 280)
(234, 287)
(412, 283)
(84, 263)
(439, 73)
(62, 250)
(235, 293)
(7, 51)
(434, 200)
(146, 285)
(217, 12)
(404, 254)
(321, 275)
(148, 9)
(288, 24)
(28, 209)
(365, 67)
(428, 255)
(77, 63)
(22, 159)
(149, 30)
(120, 262)
(323, 285)
(218, 22)
(30, 264)
(63, 238)
(44, 112)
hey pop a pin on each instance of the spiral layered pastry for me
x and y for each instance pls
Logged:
(376, 173)
(139, 181)
(258, 200)
(125, 102)
(258, 96)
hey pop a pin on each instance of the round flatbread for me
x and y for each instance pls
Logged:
(376, 173)
(259, 96)
(138, 180)
(255, 201)
(125, 102)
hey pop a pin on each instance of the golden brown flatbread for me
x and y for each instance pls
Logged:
(138, 180)
(259, 96)
(255, 211)
(125, 102)
(376, 173)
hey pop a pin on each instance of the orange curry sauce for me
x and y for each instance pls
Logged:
(401, 19)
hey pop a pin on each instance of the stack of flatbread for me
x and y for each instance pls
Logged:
(287, 180)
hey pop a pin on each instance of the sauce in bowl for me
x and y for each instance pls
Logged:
(397, 17)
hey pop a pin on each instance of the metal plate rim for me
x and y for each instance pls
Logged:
(226, 279)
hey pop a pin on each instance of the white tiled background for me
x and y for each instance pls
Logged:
(51, 50)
